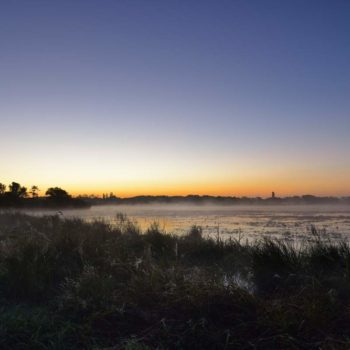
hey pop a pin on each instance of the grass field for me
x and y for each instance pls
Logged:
(68, 284)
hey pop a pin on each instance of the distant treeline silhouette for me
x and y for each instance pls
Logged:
(15, 195)
(216, 200)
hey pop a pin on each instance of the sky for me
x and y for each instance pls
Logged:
(221, 97)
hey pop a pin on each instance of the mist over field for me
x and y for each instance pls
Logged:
(251, 221)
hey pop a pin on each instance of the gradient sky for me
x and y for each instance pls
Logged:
(236, 97)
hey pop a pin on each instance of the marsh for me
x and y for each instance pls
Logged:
(252, 222)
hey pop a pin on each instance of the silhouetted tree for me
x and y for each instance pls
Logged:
(34, 191)
(2, 189)
(17, 191)
(58, 197)
(57, 193)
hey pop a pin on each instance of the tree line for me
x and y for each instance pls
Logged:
(16, 195)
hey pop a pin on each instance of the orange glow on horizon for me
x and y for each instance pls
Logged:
(256, 180)
(257, 190)
(249, 185)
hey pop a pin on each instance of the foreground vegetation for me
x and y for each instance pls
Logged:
(68, 284)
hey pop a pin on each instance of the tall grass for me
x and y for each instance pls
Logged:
(73, 284)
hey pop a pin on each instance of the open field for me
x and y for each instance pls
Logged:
(73, 284)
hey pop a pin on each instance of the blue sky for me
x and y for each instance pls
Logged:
(176, 96)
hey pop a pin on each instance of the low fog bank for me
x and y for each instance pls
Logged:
(191, 200)
(292, 222)
(211, 207)
(162, 209)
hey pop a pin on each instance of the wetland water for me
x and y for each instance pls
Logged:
(251, 222)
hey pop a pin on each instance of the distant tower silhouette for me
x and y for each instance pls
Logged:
(273, 195)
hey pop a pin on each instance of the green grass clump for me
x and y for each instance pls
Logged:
(69, 284)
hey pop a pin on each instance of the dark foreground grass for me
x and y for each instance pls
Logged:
(68, 284)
